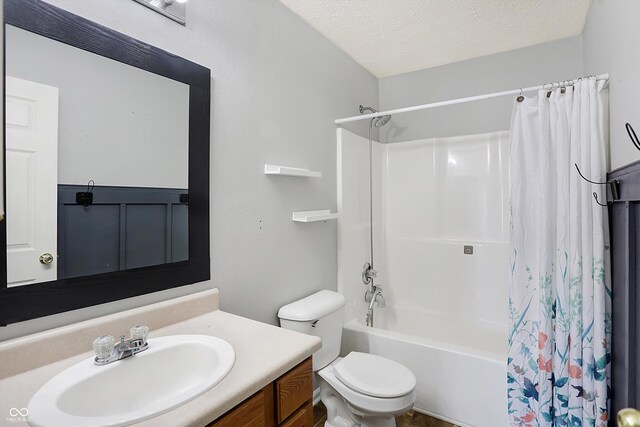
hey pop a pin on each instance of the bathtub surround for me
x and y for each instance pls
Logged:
(560, 299)
(445, 309)
(431, 198)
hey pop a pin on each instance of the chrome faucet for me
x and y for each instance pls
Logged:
(106, 352)
(373, 296)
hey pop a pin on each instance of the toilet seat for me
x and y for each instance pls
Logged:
(366, 403)
(374, 375)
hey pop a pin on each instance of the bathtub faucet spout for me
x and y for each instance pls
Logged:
(373, 296)
(369, 318)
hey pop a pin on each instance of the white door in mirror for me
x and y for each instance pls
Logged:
(172, 371)
(32, 181)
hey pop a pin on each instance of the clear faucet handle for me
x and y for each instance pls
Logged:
(139, 332)
(103, 346)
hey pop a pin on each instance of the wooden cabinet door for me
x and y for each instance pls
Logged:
(302, 418)
(294, 389)
(249, 413)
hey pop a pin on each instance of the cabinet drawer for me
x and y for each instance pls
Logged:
(294, 389)
(302, 418)
(249, 413)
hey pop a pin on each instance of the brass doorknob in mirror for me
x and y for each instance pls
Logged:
(629, 418)
(46, 258)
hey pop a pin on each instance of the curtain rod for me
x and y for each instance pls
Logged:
(461, 100)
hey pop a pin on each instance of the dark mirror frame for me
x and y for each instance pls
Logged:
(42, 299)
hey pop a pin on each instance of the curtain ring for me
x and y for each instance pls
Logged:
(563, 89)
(520, 98)
(544, 86)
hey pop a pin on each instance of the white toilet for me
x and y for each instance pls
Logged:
(360, 389)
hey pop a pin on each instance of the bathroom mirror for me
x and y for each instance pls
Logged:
(107, 165)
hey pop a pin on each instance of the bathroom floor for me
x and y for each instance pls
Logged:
(410, 419)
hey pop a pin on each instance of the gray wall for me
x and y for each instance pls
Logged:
(524, 67)
(611, 42)
(277, 87)
(117, 125)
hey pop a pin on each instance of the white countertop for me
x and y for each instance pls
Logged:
(263, 353)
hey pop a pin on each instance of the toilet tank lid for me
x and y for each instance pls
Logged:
(312, 307)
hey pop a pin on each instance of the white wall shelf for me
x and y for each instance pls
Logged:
(312, 216)
(289, 171)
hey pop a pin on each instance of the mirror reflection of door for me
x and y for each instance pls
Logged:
(32, 177)
(121, 129)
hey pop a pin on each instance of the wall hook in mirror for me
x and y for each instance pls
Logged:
(614, 187)
(632, 135)
(85, 198)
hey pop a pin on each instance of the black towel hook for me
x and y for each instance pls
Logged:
(86, 198)
(614, 187)
(595, 196)
(632, 135)
(587, 179)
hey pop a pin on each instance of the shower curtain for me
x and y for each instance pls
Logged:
(560, 296)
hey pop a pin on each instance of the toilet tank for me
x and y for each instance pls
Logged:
(321, 315)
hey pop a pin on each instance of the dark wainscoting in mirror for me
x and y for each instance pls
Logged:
(123, 228)
(19, 303)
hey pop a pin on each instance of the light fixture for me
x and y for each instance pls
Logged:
(175, 10)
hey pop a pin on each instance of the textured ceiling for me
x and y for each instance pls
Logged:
(390, 37)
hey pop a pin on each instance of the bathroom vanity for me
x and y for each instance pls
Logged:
(287, 402)
(270, 383)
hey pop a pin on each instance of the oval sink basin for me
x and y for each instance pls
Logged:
(172, 371)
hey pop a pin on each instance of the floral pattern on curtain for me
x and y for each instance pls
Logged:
(560, 296)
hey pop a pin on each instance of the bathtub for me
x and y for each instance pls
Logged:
(460, 375)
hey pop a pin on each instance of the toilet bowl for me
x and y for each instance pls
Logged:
(359, 389)
(374, 389)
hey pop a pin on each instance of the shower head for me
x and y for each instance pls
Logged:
(381, 121)
(376, 121)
